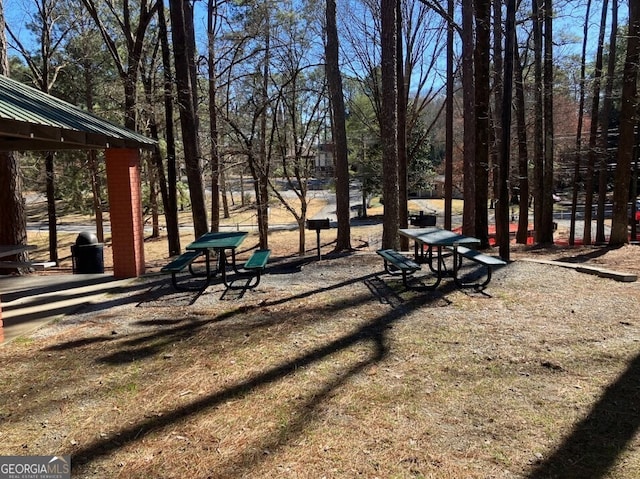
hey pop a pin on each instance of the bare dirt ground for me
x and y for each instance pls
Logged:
(333, 369)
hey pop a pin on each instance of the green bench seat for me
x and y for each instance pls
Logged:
(181, 262)
(396, 263)
(178, 264)
(252, 268)
(484, 259)
(258, 260)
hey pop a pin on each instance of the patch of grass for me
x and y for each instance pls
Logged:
(24, 341)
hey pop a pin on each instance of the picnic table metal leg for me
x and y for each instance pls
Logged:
(439, 268)
(456, 269)
(430, 259)
(436, 270)
(233, 261)
(208, 273)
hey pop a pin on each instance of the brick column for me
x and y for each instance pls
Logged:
(125, 209)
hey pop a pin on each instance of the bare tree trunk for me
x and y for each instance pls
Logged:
(496, 133)
(544, 230)
(538, 138)
(212, 10)
(182, 24)
(502, 210)
(482, 126)
(334, 81)
(403, 192)
(44, 75)
(468, 87)
(261, 174)
(448, 167)
(523, 155)
(389, 126)
(578, 155)
(546, 233)
(604, 126)
(92, 159)
(223, 193)
(156, 176)
(51, 206)
(13, 222)
(152, 178)
(242, 201)
(94, 178)
(13, 225)
(171, 201)
(628, 121)
(593, 133)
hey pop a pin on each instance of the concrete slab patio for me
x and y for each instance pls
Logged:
(31, 301)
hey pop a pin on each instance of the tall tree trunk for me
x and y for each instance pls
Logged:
(496, 133)
(171, 202)
(523, 154)
(546, 225)
(156, 175)
(92, 157)
(605, 113)
(152, 175)
(468, 91)
(261, 174)
(593, 133)
(448, 157)
(538, 138)
(212, 13)
(482, 126)
(44, 75)
(182, 24)
(13, 225)
(578, 155)
(96, 194)
(502, 210)
(389, 126)
(628, 121)
(13, 222)
(223, 192)
(51, 206)
(334, 82)
(403, 190)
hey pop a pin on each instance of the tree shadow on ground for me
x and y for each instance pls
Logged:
(585, 257)
(372, 334)
(596, 442)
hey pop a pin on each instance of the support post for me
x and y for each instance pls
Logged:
(125, 203)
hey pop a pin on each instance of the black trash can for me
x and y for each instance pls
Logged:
(87, 254)
(423, 220)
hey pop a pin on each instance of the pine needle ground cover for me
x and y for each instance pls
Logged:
(332, 369)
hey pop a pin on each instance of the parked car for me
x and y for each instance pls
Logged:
(637, 214)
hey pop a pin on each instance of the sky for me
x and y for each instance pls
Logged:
(569, 22)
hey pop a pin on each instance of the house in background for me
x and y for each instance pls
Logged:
(324, 166)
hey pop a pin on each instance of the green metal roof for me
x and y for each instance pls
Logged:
(33, 120)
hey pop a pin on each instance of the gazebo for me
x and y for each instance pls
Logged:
(32, 120)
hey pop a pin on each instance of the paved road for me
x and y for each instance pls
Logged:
(563, 218)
